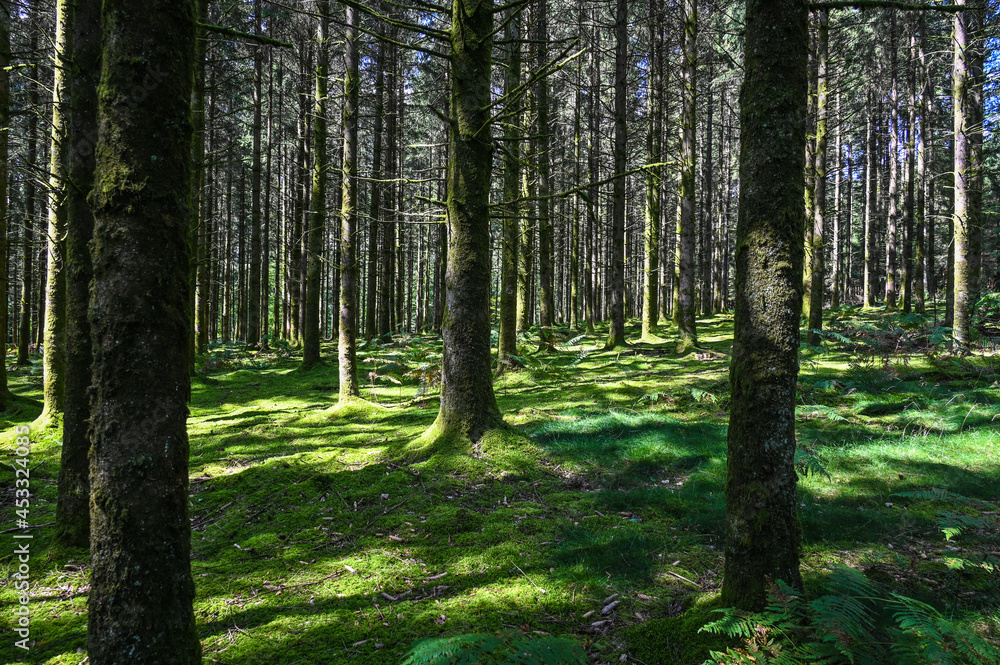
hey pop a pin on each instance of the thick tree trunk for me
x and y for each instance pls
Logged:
(762, 530)
(317, 221)
(140, 606)
(73, 505)
(468, 405)
(54, 352)
(616, 332)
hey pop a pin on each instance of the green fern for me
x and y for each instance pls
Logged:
(847, 626)
(504, 648)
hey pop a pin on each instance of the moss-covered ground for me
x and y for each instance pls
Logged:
(320, 537)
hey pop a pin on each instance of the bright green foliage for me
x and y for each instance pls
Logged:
(508, 648)
(855, 622)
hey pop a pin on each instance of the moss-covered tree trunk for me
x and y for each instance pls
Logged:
(375, 194)
(317, 220)
(468, 405)
(140, 606)
(54, 352)
(507, 344)
(253, 329)
(967, 93)
(817, 257)
(870, 277)
(27, 236)
(616, 330)
(546, 245)
(347, 344)
(201, 199)
(654, 146)
(762, 528)
(684, 301)
(892, 219)
(73, 504)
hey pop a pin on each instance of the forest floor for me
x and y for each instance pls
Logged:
(317, 538)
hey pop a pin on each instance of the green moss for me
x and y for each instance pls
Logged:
(676, 640)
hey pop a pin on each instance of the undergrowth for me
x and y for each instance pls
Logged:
(316, 539)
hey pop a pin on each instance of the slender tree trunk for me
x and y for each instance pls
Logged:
(762, 528)
(73, 505)
(546, 251)
(317, 222)
(201, 203)
(375, 195)
(511, 192)
(684, 305)
(27, 240)
(140, 605)
(921, 129)
(891, 286)
(54, 353)
(347, 347)
(906, 293)
(654, 147)
(708, 202)
(967, 96)
(818, 255)
(838, 241)
(871, 279)
(616, 333)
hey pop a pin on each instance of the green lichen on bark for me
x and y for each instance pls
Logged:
(54, 352)
(347, 347)
(140, 604)
(762, 530)
(468, 404)
(73, 505)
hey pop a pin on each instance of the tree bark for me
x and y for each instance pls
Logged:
(468, 405)
(762, 530)
(5, 57)
(54, 352)
(892, 220)
(817, 273)
(140, 605)
(507, 344)
(73, 504)
(654, 146)
(616, 332)
(967, 96)
(347, 345)
(317, 220)
(684, 304)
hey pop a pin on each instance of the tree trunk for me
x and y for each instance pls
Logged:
(762, 531)
(654, 147)
(616, 332)
(73, 505)
(5, 188)
(892, 220)
(140, 605)
(967, 93)
(375, 195)
(507, 345)
(684, 305)
(546, 251)
(347, 346)
(871, 279)
(468, 405)
(54, 352)
(818, 255)
(317, 221)
(27, 240)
